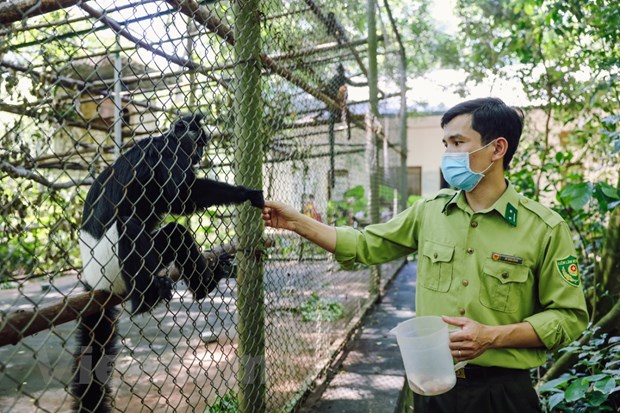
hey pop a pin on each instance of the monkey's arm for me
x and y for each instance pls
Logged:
(207, 192)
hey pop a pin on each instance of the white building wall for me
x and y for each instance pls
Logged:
(424, 149)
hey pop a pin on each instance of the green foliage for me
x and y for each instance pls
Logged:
(593, 384)
(343, 212)
(39, 229)
(320, 309)
(386, 195)
(413, 199)
(565, 54)
(18, 256)
(229, 403)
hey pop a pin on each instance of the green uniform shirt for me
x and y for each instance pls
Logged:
(510, 263)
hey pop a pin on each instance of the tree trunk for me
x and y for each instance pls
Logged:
(608, 268)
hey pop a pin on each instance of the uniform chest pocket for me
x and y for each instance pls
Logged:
(503, 287)
(436, 266)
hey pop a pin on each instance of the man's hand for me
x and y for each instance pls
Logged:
(471, 340)
(279, 215)
(474, 338)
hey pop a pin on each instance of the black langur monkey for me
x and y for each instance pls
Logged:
(336, 89)
(334, 27)
(123, 248)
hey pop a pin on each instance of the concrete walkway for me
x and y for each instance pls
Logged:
(371, 374)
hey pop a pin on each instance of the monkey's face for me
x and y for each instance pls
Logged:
(194, 143)
(192, 135)
(198, 153)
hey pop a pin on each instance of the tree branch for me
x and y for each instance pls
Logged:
(15, 10)
(21, 172)
(118, 29)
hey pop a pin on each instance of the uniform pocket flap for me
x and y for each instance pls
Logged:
(438, 252)
(506, 273)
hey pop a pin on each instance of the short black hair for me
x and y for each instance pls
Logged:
(491, 118)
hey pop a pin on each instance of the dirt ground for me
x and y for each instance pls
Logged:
(183, 356)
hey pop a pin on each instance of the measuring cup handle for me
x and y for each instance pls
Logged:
(460, 365)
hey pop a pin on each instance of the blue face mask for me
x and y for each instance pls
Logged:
(456, 171)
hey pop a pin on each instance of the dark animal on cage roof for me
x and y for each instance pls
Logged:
(336, 89)
(123, 248)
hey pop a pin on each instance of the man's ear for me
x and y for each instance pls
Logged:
(501, 147)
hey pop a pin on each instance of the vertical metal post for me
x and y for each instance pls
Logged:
(403, 108)
(118, 105)
(404, 188)
(248, 224)
(372, 146)
(191, 77)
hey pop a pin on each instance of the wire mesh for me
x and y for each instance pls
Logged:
(82, 83)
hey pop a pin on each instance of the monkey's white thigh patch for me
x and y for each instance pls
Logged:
(101, 268)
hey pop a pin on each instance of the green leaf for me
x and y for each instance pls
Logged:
(355, 192)
(555, 399)
(595, 377)
(609, 190)
(577, 390)
(605, 386)
(616, 146)
(577, 195)
(596, 398)
(529, 8)
(554, 384)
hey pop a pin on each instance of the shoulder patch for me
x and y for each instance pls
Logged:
(569, 269)
(548, 215)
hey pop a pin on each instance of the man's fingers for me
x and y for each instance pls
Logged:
(455, 321)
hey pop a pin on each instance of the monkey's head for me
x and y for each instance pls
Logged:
(190, 131)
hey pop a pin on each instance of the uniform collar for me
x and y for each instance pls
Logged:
(507, 205)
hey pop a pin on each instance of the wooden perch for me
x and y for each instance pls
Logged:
(21, 172)
(335, 29)
(203, 16)
(19, 324)
(16, 10)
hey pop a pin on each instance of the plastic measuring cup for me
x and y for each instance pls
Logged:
(424, 347)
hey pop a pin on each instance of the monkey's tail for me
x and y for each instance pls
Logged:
(94, 362)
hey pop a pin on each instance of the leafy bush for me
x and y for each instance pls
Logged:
(343, 212)
(593, 384)
(227, 403)
(17, 257)
(319, 309)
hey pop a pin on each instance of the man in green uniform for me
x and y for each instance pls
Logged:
(499, 266)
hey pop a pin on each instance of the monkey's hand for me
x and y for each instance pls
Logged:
(164, 287)
(159, 289)
(223, 266)
(256, 198)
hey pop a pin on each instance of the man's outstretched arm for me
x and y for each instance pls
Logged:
(281, 216)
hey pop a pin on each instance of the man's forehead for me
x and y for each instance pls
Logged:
(460, 127)
(459, 122)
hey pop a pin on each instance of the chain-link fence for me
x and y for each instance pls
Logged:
(93, 94)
